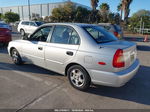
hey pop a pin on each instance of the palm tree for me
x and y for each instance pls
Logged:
(126, 8)
(104, 10)
(120, 9)
(94, 4)
(104, 7)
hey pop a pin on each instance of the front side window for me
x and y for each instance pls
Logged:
(99, 34)
(65, 35)
(32, 24)
(41, 34)
(25, 23)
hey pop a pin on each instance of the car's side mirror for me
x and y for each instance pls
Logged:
(26, 37)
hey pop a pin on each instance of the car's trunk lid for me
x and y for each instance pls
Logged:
(129, 50)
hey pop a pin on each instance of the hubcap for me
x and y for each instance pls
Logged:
(15, 56)
(77, 77)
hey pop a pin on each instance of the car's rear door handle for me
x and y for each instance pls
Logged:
(70, 53)
(40, 48)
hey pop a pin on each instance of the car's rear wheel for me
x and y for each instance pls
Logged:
(16, 57)
(78, 77)
(22, 32)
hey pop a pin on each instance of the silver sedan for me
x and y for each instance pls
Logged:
(87, 54)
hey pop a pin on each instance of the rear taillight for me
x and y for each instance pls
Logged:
(118, 60)
(116, 34)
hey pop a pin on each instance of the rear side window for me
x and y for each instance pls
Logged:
(25, 23)
(99, 34)
(65, 35)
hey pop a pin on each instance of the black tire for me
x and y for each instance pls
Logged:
(74, 77)
(16, 57)
(22, 32)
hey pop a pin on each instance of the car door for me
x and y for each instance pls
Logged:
(62, 48)
(33, 49)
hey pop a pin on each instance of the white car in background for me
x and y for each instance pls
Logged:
(28, 27)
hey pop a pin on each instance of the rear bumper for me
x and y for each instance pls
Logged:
(117, 79)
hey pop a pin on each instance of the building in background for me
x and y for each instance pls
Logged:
(36, 10)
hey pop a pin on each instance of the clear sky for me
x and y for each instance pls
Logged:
(135, 6)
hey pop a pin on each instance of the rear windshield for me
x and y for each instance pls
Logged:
(100, 34)
(39, 23)
(118, 28)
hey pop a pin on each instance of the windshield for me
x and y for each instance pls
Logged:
(39, 23)
(100, 34)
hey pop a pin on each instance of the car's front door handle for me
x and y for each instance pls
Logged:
(40, 48)
(70, 53)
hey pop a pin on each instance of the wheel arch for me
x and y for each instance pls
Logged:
(21, 29)
(11, 50)
(71, 64)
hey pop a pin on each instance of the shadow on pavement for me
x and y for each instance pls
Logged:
(136, 90)
(143, 48)
(29, 68)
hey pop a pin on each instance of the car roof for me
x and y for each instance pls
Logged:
(106, 24)
(69, 24)
(29, 21)
(3, 24)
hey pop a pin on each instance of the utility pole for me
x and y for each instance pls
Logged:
(141, 26)
(29, 9)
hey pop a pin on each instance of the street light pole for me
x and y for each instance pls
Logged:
(29, 9)
(141, 25)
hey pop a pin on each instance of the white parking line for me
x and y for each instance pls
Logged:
(23, 74)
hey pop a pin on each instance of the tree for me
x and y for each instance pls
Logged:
(47, 19)
(126, 8)
(81, 15)
(70, 13)
(11, 17)
(114, 18)
(104, 7)
(95, 17)
(104, 11)
(120, 9)
(117, 18)
(1, 16)
(142, 13)
(94, 4)
(138, 17)
(64, 13)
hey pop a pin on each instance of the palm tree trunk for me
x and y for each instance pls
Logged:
(121, 13)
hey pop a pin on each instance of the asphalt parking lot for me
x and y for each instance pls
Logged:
(31, 87)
